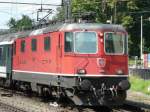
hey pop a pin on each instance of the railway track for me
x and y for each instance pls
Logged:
(130, 106)
(23, 103)
(9, 108)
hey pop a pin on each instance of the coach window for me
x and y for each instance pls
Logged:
(1, 53)
(22, 46)
(2, 56)
(69, 42)
(47, 43)
(33, 44)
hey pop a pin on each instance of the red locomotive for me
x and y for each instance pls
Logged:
(86, 62)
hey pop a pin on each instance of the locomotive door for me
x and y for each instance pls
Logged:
(9, 59)
(59, 54)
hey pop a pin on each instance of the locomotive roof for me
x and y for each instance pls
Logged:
(9, 38)
(92, 26)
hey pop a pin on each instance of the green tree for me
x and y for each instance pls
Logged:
(83, 6)
(60, 14)
(12, 23)
(24, 23)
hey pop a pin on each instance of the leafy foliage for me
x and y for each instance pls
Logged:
(82, 6)
(24, 23)
(60, 14)
(12, 23)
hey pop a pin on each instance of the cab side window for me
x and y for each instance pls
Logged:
(69, 42)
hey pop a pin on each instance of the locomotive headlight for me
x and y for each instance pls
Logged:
(120, 72)
(81, 71)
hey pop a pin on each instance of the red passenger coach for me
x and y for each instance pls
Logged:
(85, 62)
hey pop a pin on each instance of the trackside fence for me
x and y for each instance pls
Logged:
(140, 72)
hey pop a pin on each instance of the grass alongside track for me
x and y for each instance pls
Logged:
(131, 62)
(140, 85)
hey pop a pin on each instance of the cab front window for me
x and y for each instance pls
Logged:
(85, 42)
(114, 43)
(81, 42)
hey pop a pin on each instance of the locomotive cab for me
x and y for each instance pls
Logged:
(98, 58)
(109, 50)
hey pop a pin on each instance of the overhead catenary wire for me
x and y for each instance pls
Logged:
(27, 3)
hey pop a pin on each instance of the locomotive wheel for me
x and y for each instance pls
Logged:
(45, 93)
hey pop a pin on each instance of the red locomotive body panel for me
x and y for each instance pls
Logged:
(39, 60)
(78, 57)
(57, 61)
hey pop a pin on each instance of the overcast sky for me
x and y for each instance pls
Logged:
(16, 10)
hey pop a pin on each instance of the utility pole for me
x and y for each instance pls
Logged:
(141, 38)
(67, 8)
(115, 11)
(141, 42)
